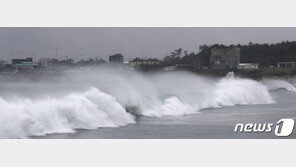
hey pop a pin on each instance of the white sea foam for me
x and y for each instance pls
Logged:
(192, 93)
(237, 91)
(274, 84)
(87, 110)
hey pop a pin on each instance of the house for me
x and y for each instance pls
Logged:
(117, 58)
(152, 61)
(26, 65)
(225, 58)
(19, 61)
(286, 64)
(144, 63)
(137, 62)
(248, 66)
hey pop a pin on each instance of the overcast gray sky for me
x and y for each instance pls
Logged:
(78, 43)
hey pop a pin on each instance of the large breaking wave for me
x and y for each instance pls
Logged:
(88, 99)
(89, 110)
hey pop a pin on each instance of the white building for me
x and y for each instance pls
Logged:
(248, 66)
(286, 64)
(137, 62)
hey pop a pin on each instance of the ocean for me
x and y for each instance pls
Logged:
(122, 103)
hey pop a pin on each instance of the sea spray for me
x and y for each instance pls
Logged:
(274, 84)
(88, 99)
(231, 91)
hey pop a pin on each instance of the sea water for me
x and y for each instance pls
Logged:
(120, 103)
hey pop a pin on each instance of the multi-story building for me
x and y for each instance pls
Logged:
(225, 58)
(117, 58)
(20, 61)
(24, 63)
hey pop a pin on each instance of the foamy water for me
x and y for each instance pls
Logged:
(100, 98)
(88, 110)
(274, 84)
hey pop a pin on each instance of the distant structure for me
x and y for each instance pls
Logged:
(152, 61)
(286, 64)
(225, 58)
(117, 58)
(3, 63)
(138, 62)
(145, 64)
(19, 61)
(191, 66)
(45, 63)
(248, 66)
(24, 63)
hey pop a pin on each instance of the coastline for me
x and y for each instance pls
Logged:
(256, 74)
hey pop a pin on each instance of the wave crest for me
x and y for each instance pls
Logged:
(87, 110)
(114, 95)
(274, 84)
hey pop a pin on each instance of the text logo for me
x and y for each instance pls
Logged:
(284, 127)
